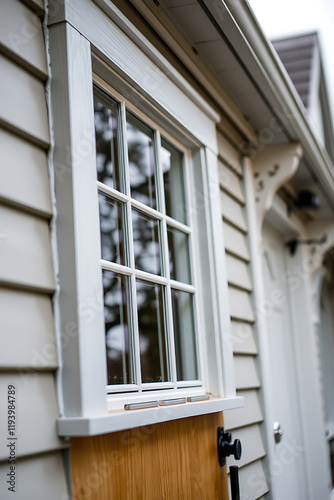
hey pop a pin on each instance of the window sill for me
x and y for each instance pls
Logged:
(122, 420)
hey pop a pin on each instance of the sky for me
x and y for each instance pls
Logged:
(292, 17)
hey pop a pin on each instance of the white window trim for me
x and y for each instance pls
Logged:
(84, 409)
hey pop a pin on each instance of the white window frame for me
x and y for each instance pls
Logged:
(76, 30)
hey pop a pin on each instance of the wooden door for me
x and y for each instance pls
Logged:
(288, 474)
(173, 460)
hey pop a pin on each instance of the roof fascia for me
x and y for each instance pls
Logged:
(253, 47)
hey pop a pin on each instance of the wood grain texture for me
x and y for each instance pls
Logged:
(172, 460)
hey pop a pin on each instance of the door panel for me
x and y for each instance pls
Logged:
(288, 467)
(172, 460)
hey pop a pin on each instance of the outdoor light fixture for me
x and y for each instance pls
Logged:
(307, 200)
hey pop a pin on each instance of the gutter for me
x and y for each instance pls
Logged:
(275, 84)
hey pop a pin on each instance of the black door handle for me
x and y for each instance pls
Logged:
(234, 480)
(226, 448)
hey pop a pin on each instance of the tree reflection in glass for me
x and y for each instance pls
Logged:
(105, 118)
(111, 229)
(146, 243)
(184, 335)
(178, 249)
(116, 290)
(141, 160)
(152, 341)
(172, 167)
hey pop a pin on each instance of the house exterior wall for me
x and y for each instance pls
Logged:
(28, 359)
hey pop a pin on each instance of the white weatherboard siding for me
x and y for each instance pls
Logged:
(243, 423)
(28, 357)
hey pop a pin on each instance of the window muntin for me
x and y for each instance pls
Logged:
(152, 248)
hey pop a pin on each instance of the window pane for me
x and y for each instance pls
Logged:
(111, 228)
(184, 335)
(118, 344)
(141, 161)
(178, 247)
(172, 167)
(105, 117)
(146, 242)
(150, 304)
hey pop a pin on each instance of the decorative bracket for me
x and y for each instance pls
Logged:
(273, 167)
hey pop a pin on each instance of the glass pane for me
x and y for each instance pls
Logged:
(172, 167)
(184, 335)
(118, 344)
(146, 242)
(105, 117)
(141, 160)
(111, 228)
(178, 247)
(151, 332)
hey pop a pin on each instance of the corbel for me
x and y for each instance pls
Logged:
(273, 167)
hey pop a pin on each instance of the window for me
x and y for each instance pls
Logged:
(147, 254)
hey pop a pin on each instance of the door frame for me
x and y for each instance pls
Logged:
(304, 339)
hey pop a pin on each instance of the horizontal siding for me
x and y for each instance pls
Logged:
(235, 242)
(240, 305)
(242, 337)
(24, 178)
(28, 357)
(38, 478)
(36, 412)
(252, 446)
(23, 104)
(246, 376)
(21, 35)
(250, 414)
(229, 154)
(27, 324)
(230, 182)
(25, 250)
(243, 422)
(253, 481)
(237, 273)
(233, 212)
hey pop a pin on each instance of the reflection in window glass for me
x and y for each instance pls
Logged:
(115, 290)
(146, 242)
(184, 333)
(111, 229)
(141, 160)
(105, 117)
(178, 247)
(152, 342)
(172, 167)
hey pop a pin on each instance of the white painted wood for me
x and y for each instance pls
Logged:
(237, 273)
(26, 321)
(80, 300)
(21, 36)
(37, 478)
(233, 212)
(36, 412)
(246, 376)
(121, 420)
(37, 5)
(252, 447)
(273, 167)
(249, 414)
(23, 104)
(253, 481)
(240, 305)
(223, 344)
(235, 242)
(230, 155)
(25, 250)
(243, 341)
(24, 178)
(230, 182)
(157, 85)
